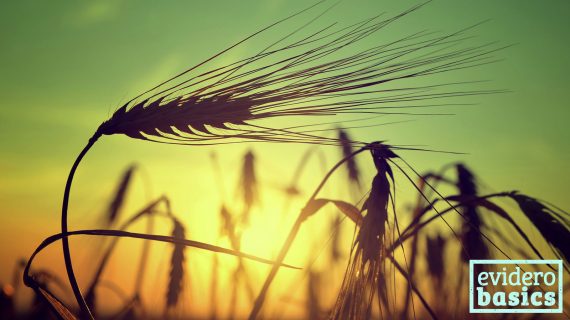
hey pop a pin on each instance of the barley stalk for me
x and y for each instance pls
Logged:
(363, 272)
(219, 106)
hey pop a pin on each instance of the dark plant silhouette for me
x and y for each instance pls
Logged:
(316, 73)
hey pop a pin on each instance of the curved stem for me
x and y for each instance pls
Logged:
(107, 255)
(124, 234)
(65, 243)
(415, 226)
(292, 234)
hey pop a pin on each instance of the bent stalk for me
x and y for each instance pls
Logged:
(65, 242)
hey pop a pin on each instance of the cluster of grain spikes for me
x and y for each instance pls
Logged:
(365, 274)
(132, 304)
(489, 240)
(371, 252)
(373, 260)
(312, 206)
(317, 77)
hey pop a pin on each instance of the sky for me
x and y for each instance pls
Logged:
(66, 66)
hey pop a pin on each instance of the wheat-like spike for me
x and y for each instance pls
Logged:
(365, 268)
(475, 246)
(248, 187)
(117, 202)
(435, 254)
(351, 165)
(227, 227)
(551, 225)
(176, 274)
(311, 80)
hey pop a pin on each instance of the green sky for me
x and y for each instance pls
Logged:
(65, 66)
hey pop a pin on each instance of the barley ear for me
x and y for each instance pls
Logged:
(117, 203)
(176, 275)
(548, 222)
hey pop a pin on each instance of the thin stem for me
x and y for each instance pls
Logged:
(29, 281)
(414, 288)
(65, 242)
(414, 249)
(292, 234)
(105, 259)
(214, 290)
(144, 258)
(415, 226)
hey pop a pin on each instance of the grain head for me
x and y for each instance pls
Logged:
(176, 274)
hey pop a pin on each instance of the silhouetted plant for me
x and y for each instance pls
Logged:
(304, 74)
